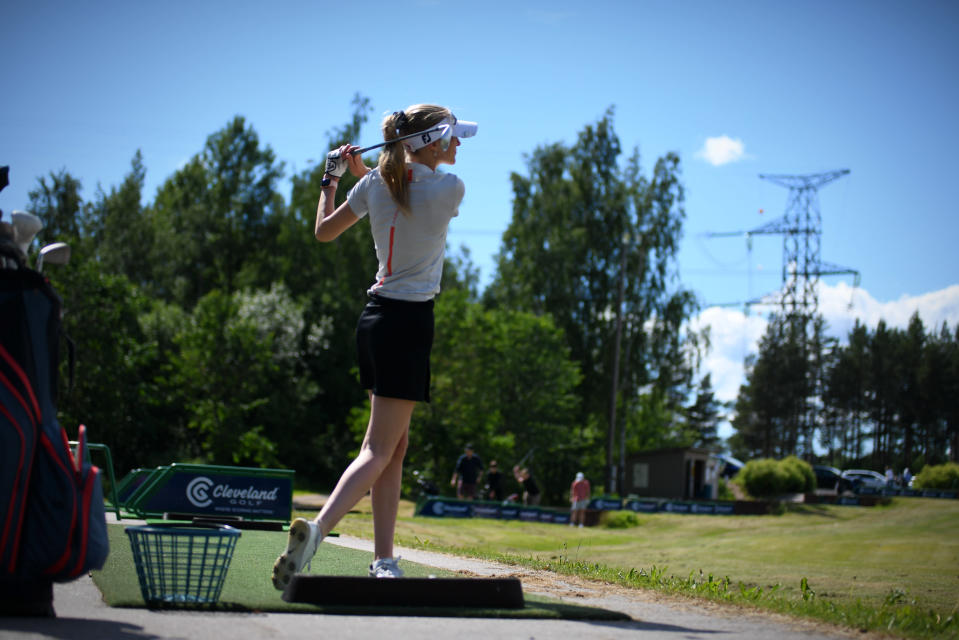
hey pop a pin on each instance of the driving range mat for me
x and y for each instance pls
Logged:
(496, 593)
(248, 586)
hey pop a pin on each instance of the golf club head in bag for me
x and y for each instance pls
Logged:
(26, 226)
(56, 253)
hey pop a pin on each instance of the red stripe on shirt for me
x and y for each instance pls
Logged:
(389, 259)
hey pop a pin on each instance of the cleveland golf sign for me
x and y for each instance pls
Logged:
(207, 490)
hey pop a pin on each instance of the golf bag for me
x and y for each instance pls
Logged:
(52, 516)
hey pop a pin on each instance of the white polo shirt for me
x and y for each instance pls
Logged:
(409, 247)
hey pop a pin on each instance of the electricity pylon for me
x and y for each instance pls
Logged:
(801, 228)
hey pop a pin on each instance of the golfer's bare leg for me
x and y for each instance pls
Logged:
(389, 423)
(385, 496)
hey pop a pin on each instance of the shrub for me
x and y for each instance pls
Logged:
(804, 471)
(767, 478)
(725, 493)
(940, 476)
(620, 519)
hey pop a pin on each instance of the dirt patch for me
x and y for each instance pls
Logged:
(612, 596)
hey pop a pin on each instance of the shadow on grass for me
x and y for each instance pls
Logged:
(639, 625)
(821, 510)
(535, 608)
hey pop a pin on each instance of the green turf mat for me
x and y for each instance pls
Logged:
(248, 586)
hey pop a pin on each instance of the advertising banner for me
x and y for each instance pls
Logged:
(606, 504)
(486, 510)
(643, 506)
(439, 508)
(207, 490)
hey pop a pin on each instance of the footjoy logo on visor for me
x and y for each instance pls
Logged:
(199, 493)
(448, 128)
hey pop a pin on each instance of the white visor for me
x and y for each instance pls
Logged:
(445, 130)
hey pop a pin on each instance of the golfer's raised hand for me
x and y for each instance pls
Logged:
(355, 161)
(339, 160)
(336, 163)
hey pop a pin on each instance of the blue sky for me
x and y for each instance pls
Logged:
(789, 88)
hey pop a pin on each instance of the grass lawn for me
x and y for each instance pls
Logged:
(907, 550)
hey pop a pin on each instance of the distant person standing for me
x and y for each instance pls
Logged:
(494, 483)
(466, 475)
(579, 493)
(531, 493)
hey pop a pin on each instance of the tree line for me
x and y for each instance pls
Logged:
(211, 327)
(883, 397)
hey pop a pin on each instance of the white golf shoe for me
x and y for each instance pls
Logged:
(386, 568)
(301, 546)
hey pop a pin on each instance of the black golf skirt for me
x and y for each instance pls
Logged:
(393, 340)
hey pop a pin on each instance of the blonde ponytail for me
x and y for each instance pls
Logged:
(392, 161)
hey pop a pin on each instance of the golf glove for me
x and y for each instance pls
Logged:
(335, 165)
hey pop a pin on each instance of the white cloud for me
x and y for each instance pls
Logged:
(722, 150)
(841, 305)
(734, 335)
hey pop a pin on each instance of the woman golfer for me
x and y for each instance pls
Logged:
(410, 205)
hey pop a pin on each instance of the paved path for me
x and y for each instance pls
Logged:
(82, 615)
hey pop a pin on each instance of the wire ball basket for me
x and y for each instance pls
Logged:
(182, 564)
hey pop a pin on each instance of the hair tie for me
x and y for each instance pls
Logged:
(401, 120)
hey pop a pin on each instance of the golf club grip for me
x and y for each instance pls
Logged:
(326, 181)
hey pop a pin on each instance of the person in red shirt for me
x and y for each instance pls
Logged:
(578, 497)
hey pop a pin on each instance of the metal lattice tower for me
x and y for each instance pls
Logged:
(801, 228)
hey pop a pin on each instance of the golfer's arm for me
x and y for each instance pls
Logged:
(329, 223)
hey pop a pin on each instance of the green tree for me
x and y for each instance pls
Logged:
(844, 398)
(245, 389)
(703, 416)
(215, 219)
(912, 349)
(59, 205)
(882, 392)
(121, 232)
(593, 244)
(114, 367)
(771, 404)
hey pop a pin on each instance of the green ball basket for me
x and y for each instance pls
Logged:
(182, 564)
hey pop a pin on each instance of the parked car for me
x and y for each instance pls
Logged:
(828, 479)
(728, 465)
(864, 479)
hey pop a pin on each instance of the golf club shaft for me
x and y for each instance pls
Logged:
(326, 179)
(401, 138)
(523, 459)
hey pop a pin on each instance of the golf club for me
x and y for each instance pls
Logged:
(524, 458)
(334, 155)
(56, 253)
(25, 228)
